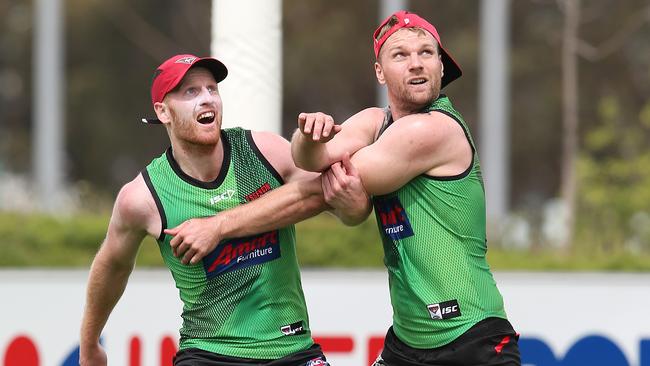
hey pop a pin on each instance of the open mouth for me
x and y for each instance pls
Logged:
(418, 81)
(205, 118)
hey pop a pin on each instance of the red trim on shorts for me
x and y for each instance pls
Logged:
(499, 347)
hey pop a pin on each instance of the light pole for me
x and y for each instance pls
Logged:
(47, 138)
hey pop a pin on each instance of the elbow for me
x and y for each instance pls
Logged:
(351, 221)
(300, 163)
(309, 166)
(354, 218)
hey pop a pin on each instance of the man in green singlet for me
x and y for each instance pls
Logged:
(242, 299)
(419, 162)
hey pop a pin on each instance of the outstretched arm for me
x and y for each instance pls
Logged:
(344, 193)
(111, 268)
(318, 142)
(300, 198)
(286, 205)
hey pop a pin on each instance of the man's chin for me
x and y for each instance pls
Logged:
(207, 141)
(418, 102)
(203, 139)
(424, 99)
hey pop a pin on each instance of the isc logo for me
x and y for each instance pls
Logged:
(223, 196)
(449, 309)
(444, 310)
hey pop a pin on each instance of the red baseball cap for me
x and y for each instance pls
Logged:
(170, 73)
(406, 19)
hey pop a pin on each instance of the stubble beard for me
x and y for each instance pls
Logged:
(186, 131)
(416, 102)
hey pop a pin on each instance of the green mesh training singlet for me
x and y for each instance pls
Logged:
(245, 298)
(433, 233)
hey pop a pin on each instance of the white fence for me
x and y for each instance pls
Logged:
(564, 319)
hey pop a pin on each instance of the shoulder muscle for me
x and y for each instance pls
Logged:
(135, 208)
(435, 139)
(412, 145)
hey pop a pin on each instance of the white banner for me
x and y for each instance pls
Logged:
(564, 319)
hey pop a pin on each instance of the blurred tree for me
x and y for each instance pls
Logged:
(327, 58)
(619, 66)
(112, 48)
(328, 55)
(573, 47)
(615, 181)
(15, 85)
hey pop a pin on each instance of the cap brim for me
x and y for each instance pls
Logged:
(151, 121)
(216, 67)
(451, 69)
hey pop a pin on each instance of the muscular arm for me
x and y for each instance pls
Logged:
(300, 198)
(110, 270)
(286, 205)
(432, 144)
(340, 185)
(313, 153)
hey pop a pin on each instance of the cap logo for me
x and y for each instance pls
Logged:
(185, 60)
(407, 20)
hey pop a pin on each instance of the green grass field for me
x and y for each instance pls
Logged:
(43, 241)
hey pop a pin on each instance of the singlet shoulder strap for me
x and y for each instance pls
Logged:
(388, 119)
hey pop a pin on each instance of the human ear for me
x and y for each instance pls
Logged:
(379, 73)
(162, 112)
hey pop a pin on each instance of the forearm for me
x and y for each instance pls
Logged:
(106, 283)
(307, 154)
(286, 205)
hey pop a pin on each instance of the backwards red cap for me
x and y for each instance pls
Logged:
(406, 19)
(170, 73)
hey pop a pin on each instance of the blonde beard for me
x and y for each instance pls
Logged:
(411, 103)
(185, 131)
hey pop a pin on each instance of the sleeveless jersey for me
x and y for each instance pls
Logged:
(244, 299)
(433, 233)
